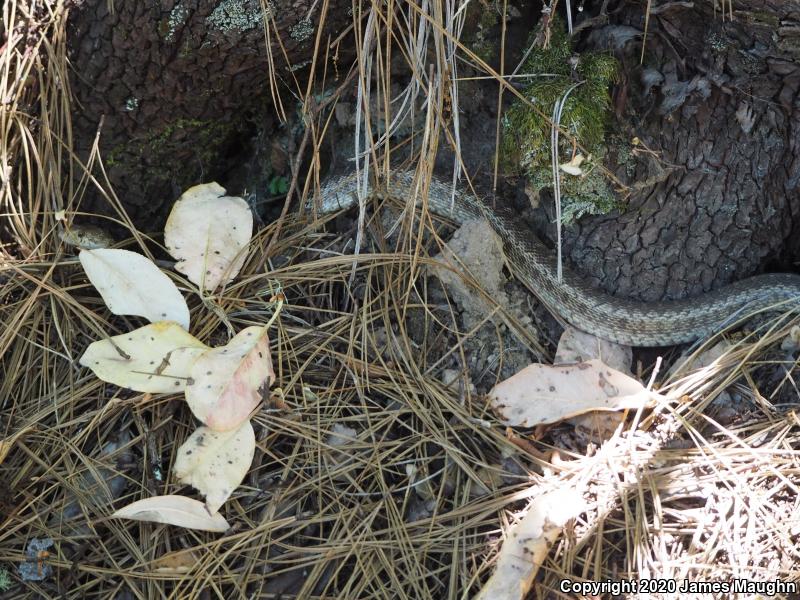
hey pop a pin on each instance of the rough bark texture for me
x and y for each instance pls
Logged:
(726, 117)
(176, 83)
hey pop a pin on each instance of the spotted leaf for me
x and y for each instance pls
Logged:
(541, 394)
(215, 462)
(156, 358)
(208, 233)
(226, 382)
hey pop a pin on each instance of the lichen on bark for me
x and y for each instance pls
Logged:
(237, 15)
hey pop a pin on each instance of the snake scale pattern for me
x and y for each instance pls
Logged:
(591, 310)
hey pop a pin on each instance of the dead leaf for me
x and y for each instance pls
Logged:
(526, 445)
(575, 346)
(573, 167)
(180, 561)
(156, 358)
(486, 481)
(340, 452)
(226, 380)
(174, 510)
(546, 394)
(207, 232)
(527, 543)
(132, 284)
(215, 462)
(692, 361)
(597, 426)
(791, 343)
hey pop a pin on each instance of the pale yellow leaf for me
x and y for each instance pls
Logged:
(527, 543)
(174, 510)
(156, 358)
(132, 284)
(215, 462)
(208, 232)
(573, 167)
(570, 170)
(226, 381)
(541, 394)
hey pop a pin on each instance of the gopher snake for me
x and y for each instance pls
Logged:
(615, 319)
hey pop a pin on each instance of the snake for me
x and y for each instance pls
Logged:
(85, 237)
(620, 320)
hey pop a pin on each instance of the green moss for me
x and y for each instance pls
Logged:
(525, 146)
(158, 148)
(488, 18)
(588, 194)
(623, 152)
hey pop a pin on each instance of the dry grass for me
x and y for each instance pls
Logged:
(415, 505)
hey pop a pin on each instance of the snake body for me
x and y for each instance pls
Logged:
(591, 310)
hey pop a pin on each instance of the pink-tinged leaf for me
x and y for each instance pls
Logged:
(174, 510)
(227, 381)
(541, 394)
(215, 462)
(208, 233)
(527, 543)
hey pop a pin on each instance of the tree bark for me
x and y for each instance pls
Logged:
(724, 121)
(178, 83)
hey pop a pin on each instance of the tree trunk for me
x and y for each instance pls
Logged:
(723, 120)
(177, 84)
